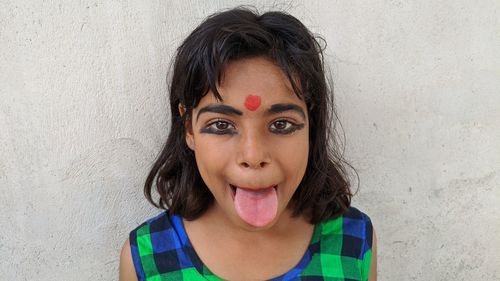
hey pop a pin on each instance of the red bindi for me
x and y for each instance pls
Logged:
(252, 102)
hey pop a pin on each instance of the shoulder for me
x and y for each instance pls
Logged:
(154, 224)
(149, 241)
(358, 232)
(354, 228)
(360, 225)
(355, 214)
(153, 232)
(147, 232)
(127, 271)
(352, 222)
(357, 224)
(350, 237)
(130, 264)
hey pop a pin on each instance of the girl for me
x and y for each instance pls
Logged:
(250, 179)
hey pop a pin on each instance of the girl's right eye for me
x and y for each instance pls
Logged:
(218, 127)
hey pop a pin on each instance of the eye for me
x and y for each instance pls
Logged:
(281, 125)
(219, 127)
(284, 127)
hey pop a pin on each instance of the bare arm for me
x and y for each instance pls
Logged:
(127, 271)
(373, 265)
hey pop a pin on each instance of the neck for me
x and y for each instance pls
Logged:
(233, 251)
(215, 220)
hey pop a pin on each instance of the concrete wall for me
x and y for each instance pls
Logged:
(83, 112)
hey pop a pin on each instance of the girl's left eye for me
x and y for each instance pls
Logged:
(281, 125)
(284, 127)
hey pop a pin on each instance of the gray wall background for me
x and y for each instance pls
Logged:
(83, 112)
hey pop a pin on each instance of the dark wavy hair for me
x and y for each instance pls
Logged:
(199, 65)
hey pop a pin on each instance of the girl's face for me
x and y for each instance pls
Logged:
(252, 148)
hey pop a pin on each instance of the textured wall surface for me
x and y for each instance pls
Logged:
(83, 112)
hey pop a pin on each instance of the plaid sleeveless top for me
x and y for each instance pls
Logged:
(340, 249)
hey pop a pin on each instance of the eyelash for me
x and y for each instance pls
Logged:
(290, 127)
(212, 129)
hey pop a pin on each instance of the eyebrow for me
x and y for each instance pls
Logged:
(283, 107)
(229, 110)
(219, 108)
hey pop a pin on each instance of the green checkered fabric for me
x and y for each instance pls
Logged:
(340, 249)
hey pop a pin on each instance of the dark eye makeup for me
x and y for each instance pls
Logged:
(279, 127)
(219, 127)
(285, 127)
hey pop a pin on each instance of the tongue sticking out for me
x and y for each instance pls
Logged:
(256, 207)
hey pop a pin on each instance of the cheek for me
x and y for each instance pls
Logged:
(211, 157)
(293, 157)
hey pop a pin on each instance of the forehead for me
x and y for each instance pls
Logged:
(258, 77)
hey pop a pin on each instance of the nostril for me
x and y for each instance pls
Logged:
(259, 165)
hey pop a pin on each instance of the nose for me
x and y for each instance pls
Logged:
(253, 151)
